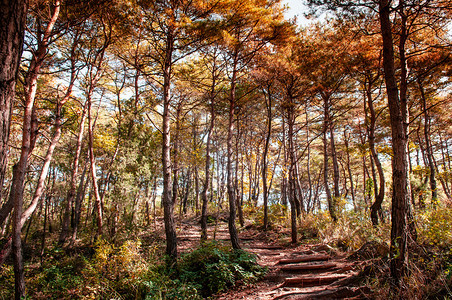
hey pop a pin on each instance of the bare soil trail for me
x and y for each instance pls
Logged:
(305, 271)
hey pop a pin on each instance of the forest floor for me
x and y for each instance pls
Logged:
(305, 271)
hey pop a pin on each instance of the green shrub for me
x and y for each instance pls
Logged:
(162, 287)
(213, 268)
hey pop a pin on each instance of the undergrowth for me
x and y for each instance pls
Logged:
(123, 272)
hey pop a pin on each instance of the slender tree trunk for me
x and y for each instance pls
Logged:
(326, 125)
(175, 158)
(45, 168)
(230, 185)
(349, 170)
(428, 146)
(168, 204)
(265, 191)
(308, 156)
(236, 179)
(375, 209)
(292, 172)
(78, 149)
(187, 191)
(207, 173)
(337, 193)
(78, 205)
(95, 187)
(196, 175)
(284, 185)
(73, 182)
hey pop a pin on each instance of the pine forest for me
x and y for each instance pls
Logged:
(223, 149)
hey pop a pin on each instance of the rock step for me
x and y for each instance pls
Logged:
(307, 267)
(308, 281)
(306, 258)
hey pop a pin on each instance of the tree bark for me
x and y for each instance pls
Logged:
(291, 182)
(74, 171)
(400, 196)
(168, 204)
(47, 160)
(207, 173)
(175, 158)
(230, 182)
(265, 191)
(349, 170)
(428, 146)
(95, 187)
(337, 193)
(78, 205)
(375, 209)
(12, 27)
(30, 87)
(326, 124)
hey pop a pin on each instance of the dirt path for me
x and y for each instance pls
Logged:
(301, 272)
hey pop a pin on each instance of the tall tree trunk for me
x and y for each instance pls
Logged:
(238, 203)
(308, 156)
(400, 196)
(45, 168)
(30, 87)
(349, 170)
(168, 204)
(337, 193)
(73, 182)
(78, 149)
(375, 209)
(292, 172)
(95, 187)
(326, 124)
(207, 173)
(196, 175)
(428, 145)
(175, 158)
(94, 74)
(230, 182)
(12, 26)
(78, 205)
(268, 104)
